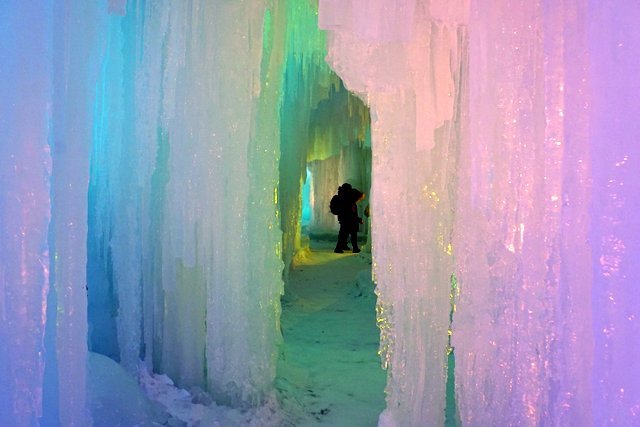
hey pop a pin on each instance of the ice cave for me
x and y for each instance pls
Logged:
(165, 166)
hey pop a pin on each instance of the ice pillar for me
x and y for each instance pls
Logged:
(544, 266)
(614, 40)
(122, 157)
(77, 37)
(522, 352)
(380, 51)
(49, 57)
(530, 106)
(25, 172)
(184, 179)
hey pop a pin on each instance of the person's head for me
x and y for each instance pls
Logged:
(344, 188)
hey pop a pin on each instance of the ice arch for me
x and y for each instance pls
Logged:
(505, 153)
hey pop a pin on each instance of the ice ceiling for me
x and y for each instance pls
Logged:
(151, 159)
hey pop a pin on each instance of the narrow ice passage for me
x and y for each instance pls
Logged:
(328, 371)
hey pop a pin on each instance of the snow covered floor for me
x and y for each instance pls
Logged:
(329, 371)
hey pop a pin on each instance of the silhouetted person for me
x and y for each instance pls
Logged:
(348, 217)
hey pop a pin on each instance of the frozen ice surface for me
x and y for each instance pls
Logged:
(414, 139)
(25, 172)
(504, 146)
(503, 127)
(615, 225)
(177, 205)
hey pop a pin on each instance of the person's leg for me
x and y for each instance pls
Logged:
(342, 239)
(354, 239)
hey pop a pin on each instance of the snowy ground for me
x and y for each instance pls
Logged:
(328, 371)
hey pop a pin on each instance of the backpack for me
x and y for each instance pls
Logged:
(334, 205)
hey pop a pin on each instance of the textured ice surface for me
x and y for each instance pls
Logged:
(494, 142)
(44, 141)
(505, 150)
(79, 28)
(613, 39)
(25, 171)
(184, 178)
(414, 137)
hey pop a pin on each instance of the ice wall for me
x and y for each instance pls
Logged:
(174, 103)
(523, 349)
(545, 270)
(614, 232)
(502, 119)
(25, 171)
(306, 81)
(406, 61)
(184, 179)
(77, 48)
(49, 68)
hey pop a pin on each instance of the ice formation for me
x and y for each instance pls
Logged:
(152, 156)
(510, 147)
(184, 173)
(25, 212)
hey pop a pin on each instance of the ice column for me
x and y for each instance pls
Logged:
(25, 171)
(184, 177)
(122, 158)
(547, 322)
(516, 358)
(614, 41)
(49, 67)
(77, 46)
(518, 128)
(380, 51)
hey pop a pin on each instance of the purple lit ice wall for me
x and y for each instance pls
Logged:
(25, 208)
(49, 67)
(153, 151)
(614, 210)
(507, 131)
